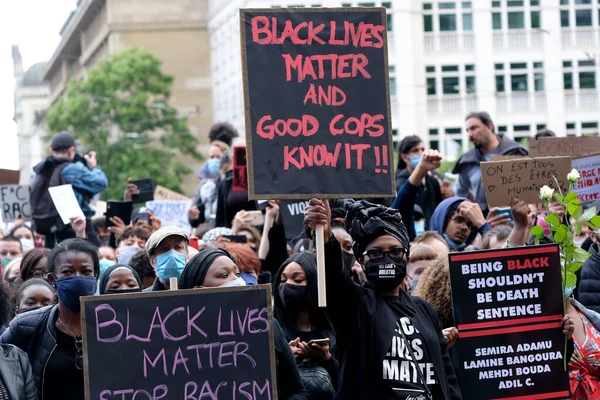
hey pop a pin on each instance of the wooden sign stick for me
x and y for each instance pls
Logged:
(320, 238)
(173, 284)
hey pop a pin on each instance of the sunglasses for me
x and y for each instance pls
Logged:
(79, 355)
(376, 255)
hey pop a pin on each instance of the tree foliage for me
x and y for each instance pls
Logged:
(121, 111)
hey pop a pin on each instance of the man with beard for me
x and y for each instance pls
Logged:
(487, 144)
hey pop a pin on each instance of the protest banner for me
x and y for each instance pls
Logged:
(513, 363)
(14, 200)
(494, 288)
(588, 185)
(292, 214)
(522, 178)
(171, 212)
(560, 146)
(9, 177)
(316, 97)
(508, 308)
(240, 171)
(180, 344)
(162, 193)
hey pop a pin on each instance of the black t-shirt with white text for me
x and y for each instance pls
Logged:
(401, 380)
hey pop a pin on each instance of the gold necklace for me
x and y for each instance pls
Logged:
(66, 327)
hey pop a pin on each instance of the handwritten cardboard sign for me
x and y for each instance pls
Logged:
(522, 178)
(588, 185)
(171, 212)
(560, 146)
(14, 200)
(162, 193)
(240, 170)
(513, 363)
(317, 107)
(508, 308)
(200, 343)
(504, 287)
(9, 177)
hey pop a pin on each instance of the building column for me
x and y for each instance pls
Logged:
(484, 58)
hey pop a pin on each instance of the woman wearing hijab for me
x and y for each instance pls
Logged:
(216, 268)
(306, 326)
(391, 344)
(120, 279)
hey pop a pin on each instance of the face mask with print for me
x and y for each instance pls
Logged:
(419, 227)
(27, 244)
(234, 283)
(415, 160)
(170, 265)
(385, 275)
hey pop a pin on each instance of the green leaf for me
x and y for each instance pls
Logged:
(589, 213)
(537, 231)
(596, 221)
(574, 266)
(581, 255)
(552, 220)
(574, 211)
(569, 197)
(578, 228)
(560, 234)
(559, 198)
(571, 279)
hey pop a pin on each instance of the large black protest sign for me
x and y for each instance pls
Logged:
(505, 287)
(292, 214)
(513, 363)
(186, 344)
(316, 96)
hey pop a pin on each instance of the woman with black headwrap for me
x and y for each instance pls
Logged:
(305, 325)
(120, 279)
(216, 268)
(391, 345)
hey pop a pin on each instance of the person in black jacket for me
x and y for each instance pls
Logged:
(588, 287)
(51, 336)
(306, 326)
(216, 268)
(429, 195)
(381, 330)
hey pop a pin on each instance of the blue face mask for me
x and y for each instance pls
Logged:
(126, 254)
(419, 227)
(170, 265)
(213, 166)
(235, 282)
(104, 265)
(70, 289)
(415, 160)
(248, 278)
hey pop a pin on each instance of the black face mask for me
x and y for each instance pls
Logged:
(122, 291)
(294, 297)
(385, 275)
(348, 259)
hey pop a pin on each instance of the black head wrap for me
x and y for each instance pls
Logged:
(106, 276)
(195, 271)
(366, 222)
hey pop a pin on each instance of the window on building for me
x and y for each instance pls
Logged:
(449, 68)
(496, 4)
(469, 67)
(583, 17)
(502, 128)
(587, 80)
(346, 4)
(535, 19)
(568, 80)
(427, 6)
(447, 6)
(433, 132)
(564, 18)
(392, 85)
(466, 4)
(471, 84)
(518, 83)
(369, 4)
(520, 129)
(499, 66)
(539, 127)
(497, 21)
(564, 2)
(430, 68)
(390, 22)
(467, 20)
(428, 23)
(518, 3)
(538, 80)
(431, 89)
(578, 2)
(567, 64)
(516, 20)
(447, 22)
(450, 85)
(500, 83)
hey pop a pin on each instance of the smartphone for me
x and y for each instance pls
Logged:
(505, 211)
(146, 187)
(121, 209)
(257, 218)
(318, 341)
(237, 238)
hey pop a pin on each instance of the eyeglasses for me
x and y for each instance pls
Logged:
(79, 355)
(397, 253)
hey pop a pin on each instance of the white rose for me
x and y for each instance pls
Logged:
(546, 193)
(573, 176)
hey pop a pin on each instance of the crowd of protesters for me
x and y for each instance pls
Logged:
(345, 350)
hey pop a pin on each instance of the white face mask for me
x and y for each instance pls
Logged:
(578, 242)
(236, 282)
(27, 244)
